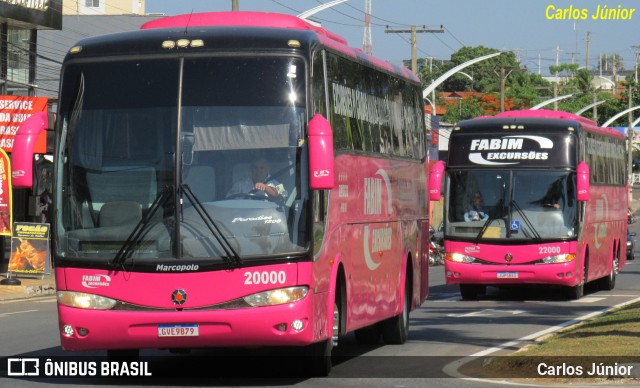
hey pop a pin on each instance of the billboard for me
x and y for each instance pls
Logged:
(13, 111)
(30, 253)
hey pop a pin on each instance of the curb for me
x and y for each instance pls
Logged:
(26, 291)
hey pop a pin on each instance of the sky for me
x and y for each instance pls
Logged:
(541, 33)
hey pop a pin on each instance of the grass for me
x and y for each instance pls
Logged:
(611, 340)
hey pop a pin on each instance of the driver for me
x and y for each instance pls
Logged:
(260, 180)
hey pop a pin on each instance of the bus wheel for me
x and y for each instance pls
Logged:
(608, 283)
(576, 292)
(471, 291)
(320, 360)
(395, 330)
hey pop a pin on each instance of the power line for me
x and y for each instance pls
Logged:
(414, 41)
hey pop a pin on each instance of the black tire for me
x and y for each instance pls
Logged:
(319, 360)
(369, 335)
(395, 330)
(608, 283)
(577, 292)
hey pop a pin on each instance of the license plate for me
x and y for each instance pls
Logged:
(507, 275)
(178, 330)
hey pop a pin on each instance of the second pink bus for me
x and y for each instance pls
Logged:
(533, 198)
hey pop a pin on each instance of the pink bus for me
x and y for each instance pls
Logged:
(162, 239)
(533, 198)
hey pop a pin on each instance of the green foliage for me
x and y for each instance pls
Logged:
(523, 89)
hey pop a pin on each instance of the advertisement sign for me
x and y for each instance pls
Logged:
(30, 252)
(13, 111)
(6, 215)
(502, 149)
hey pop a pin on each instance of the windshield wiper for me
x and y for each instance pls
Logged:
(537, 236)
(232, 257)
(484, 228)
(134, 237)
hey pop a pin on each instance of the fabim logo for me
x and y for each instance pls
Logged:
(507, 150)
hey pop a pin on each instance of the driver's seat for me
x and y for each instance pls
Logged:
(202, 182)
(241, 171)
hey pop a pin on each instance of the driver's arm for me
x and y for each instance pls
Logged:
(270, 190)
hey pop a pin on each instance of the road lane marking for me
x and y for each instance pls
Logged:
(17, 312)
(487, 313)
(38, 299)
(588, 299)
(451, 369)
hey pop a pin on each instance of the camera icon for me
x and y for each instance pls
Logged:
(23, 367)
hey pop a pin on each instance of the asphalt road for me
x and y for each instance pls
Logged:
(445, 332)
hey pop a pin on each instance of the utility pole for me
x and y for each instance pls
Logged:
(586, 62)
(630, 129)
(637, 50)
(234, 5)
(414, 41)
(503, 78)
(557, 50)
(367, 45)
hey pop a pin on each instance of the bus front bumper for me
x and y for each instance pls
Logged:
(562, 274)
(295, 324)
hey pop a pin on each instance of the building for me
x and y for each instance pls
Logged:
(34, 38)
(20, 23)
(103, 7)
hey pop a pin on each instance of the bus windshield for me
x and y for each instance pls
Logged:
(511, 204)
(159, 160)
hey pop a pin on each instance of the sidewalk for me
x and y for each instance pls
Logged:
(29, 287)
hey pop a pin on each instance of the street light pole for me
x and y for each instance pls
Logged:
(434, 84)
(549, 101)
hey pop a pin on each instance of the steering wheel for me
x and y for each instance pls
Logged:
(256, 195)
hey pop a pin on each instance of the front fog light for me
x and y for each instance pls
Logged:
(68, 331)
(297, 325)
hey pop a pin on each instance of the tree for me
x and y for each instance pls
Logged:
(468, 108)
(608, 63)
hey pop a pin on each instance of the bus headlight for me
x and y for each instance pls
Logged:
(278, 296)
(459, 258)
(83, 300)
(564, 258)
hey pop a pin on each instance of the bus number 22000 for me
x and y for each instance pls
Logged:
(265, 277)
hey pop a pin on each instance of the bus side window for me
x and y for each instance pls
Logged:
(320, 207)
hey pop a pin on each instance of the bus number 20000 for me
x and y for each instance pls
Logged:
(265, 277)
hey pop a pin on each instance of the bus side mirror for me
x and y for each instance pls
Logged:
(435, 181)
(582, 183)
(321, 172)
(22, 153)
